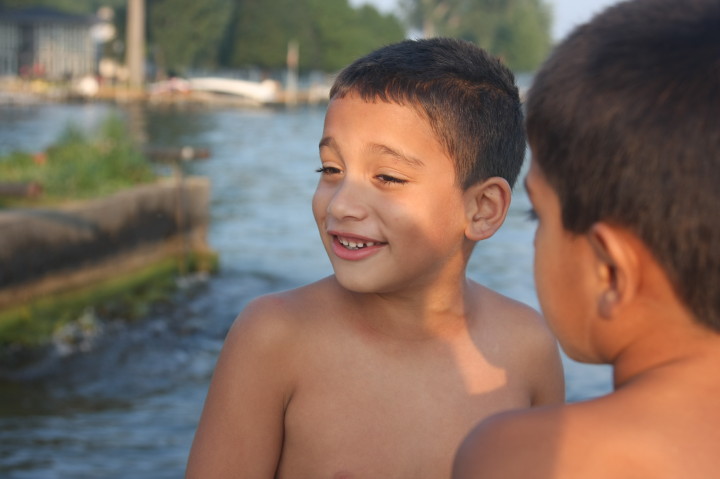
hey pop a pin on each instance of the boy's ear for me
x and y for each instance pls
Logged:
(616, 266)
(486, 205)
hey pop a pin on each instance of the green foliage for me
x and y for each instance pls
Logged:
(518, 31)
(344, 34)
(330, 33)
(69, 6)
(208, 34)
(257, 37)
(187, 34)
(127, 296)
(80, 167)
(525, 40)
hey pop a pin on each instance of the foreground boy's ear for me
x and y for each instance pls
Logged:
(616, 266)
(486, 205)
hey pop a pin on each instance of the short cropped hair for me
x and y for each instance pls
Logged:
(624, 121)
(468, 96)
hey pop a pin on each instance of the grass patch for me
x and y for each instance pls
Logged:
(83, 166)
(128, 297)
(79, 166)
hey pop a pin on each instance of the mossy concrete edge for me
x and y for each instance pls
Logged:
(56, 262)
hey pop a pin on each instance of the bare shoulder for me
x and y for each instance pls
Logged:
(277, 317)
(241, 429)
(522, 341)
(501, 311)
(595, 439)
(265, 339)
(512, 445)
(550, 442)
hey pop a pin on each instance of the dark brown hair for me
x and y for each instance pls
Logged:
(468, 96)
(624, 121)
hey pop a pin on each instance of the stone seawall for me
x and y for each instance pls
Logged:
(52, 250)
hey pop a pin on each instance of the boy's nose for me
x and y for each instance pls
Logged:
(348, 201)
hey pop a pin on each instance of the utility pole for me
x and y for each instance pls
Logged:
(135, 53)
(293, 59)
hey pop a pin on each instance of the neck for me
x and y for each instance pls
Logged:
(416, 315)
(664, 347)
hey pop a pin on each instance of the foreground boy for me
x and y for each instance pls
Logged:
(623, 123)
(380, 370)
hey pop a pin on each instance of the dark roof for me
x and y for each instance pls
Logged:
(32, 15)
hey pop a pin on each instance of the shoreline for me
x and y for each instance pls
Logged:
(57, 261)
(16, 92)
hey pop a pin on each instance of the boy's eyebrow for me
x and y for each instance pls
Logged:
(386, 150)
(329, 142)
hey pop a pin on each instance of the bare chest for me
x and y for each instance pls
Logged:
(361, 415)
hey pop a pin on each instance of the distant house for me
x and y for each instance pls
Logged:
(44, 42)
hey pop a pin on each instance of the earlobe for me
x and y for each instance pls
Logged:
(486, 206)
(607, 302)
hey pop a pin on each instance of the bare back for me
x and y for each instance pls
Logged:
(330, 396)
(664, 425)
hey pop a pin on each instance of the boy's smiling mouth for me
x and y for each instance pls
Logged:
(354, 247)
(355, 244)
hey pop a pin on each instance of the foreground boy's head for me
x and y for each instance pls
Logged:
(622, 121)
(468, 96)
(622, 124)
(421, 144)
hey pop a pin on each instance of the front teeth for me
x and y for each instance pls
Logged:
(354, 245)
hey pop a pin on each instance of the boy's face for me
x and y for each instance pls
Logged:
(563, 270)
(387, 204)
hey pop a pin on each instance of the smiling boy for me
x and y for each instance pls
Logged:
(622, 122)
(380, 370)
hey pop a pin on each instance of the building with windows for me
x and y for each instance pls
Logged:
(46, 43)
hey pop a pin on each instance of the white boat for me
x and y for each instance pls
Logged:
(266, 91)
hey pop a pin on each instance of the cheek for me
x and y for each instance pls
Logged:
(435, 220)
(319, 203)
(544, 280)
(554, 278)
(555, 301)
(563, 287)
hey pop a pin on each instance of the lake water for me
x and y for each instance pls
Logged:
(125, 402)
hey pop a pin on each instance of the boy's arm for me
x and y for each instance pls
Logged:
(240, 433)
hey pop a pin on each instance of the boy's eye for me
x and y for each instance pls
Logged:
(391, 179)
(532, 215)
(328, 170)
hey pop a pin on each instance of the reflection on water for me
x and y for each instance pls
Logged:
(129, 406)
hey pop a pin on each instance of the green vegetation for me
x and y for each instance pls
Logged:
(187, 34)
(330, 34)
(78, 166)
(183, 35)
(70, 6)
(518, 31)
(127, 297)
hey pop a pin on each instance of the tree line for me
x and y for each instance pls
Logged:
(518, 31)
(183, 35)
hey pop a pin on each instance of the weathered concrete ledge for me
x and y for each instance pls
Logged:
(49, 251)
